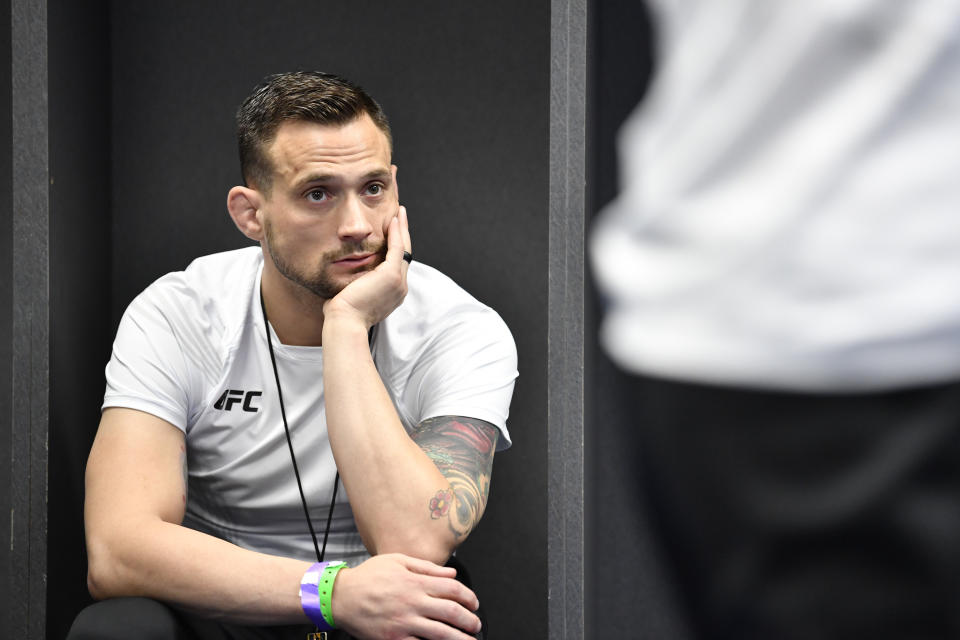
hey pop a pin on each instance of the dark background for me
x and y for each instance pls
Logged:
(142, 153)
(6, 299)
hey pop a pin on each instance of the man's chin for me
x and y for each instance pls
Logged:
(336, 285)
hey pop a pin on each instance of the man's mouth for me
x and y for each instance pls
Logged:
(356, 260)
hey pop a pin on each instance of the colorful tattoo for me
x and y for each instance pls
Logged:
(462, 449)
(440, 504)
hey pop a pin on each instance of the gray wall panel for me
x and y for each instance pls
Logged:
(30, 328)
(6, 313)
(565, 523)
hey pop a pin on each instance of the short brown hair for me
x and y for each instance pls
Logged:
(311, 96)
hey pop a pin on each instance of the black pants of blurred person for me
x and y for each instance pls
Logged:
(146, 619)
(816, 517)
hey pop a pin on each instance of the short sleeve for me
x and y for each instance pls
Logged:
(469, 369)
(147, 369)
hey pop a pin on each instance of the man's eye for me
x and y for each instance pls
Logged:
(375, 189)
(317, 195)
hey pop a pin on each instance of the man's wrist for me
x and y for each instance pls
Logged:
(316, 593)
(327, 581)
(344, 324)
(337, 599)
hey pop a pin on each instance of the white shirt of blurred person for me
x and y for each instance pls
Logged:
(788, 213)
(781, 270)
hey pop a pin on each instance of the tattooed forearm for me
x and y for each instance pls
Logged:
(462, 449)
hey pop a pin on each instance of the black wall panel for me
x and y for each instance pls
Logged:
(81, 327)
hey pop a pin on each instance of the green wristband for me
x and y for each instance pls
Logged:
(325, 590)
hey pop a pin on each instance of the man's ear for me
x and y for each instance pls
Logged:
(244, 205)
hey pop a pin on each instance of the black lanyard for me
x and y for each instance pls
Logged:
(293, 458)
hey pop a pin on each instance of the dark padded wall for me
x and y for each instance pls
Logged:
(80, 321)
(629, 591)
(466, 86)
(6, 304)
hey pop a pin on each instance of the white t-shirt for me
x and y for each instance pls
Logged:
(191, 350)
(790, 206)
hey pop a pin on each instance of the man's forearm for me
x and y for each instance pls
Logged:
(387, 596)
(389, 478)
(194, 571)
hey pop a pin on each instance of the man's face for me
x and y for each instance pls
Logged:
(334, 192)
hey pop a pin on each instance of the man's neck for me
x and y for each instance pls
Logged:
(295, 314)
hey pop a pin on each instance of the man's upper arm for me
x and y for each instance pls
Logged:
(136, 469)
(462, 448)
(468, 368)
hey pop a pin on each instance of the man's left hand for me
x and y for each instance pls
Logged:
(374, 295)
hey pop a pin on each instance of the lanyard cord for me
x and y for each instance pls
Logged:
(296, 470)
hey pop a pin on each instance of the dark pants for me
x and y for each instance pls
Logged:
(146, 619)
(798, 516)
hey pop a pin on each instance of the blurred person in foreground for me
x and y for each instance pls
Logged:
(782, 277)
(245, 390)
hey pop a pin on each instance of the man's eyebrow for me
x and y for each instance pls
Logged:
(326, 178)
(377, 174)
(316, 178)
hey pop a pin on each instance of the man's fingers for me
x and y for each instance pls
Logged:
(425, 567)
(394, 241)
(441, 583)
(453, 591)
(405, 230)
(434, 630)
(451, 613)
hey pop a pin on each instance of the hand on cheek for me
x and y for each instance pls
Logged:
(388, 220)
(386, 225)
(374, 295)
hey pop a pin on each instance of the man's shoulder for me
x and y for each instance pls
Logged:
(443, 352)
(212, 289)
(436, 304)
(432, 293)
(225, 270)
(214, 275)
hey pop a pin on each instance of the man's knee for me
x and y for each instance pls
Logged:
(122, 618)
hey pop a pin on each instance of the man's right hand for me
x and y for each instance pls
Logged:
(398, 597)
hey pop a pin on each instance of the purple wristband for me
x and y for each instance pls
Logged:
(310, 598)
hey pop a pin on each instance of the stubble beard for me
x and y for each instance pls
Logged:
(321, 283)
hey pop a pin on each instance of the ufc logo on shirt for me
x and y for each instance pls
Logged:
(231, 397)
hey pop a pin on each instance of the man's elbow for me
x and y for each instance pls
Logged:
(436, 549)
(99, 582)
(96, 584)
(104, 571)
(437, 552)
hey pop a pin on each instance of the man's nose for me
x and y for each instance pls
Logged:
(354, 220)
